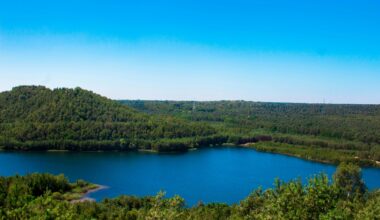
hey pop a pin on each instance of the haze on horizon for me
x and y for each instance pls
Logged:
(293, 51)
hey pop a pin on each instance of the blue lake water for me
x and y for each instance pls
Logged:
(210, 175)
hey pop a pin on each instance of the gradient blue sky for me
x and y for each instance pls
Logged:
(269, 50)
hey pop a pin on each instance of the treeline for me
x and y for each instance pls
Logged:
(37, 118)
(159, 145)
(39, 196)
(329, 127)
(350, 122)
(358, 149)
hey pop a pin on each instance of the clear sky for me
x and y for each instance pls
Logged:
(268, 50)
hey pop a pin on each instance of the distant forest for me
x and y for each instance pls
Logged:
(37, 118)
(324, 132)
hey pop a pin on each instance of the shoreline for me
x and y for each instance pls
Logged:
(375, 164)
(251, 145)
(86, 198)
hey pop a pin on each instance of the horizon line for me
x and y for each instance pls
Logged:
(191, 100)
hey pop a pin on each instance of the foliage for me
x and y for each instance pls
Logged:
(319, 198)
(37, 118)
(350, 130)
(348, 178)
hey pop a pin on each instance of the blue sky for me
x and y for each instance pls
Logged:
(287, 51)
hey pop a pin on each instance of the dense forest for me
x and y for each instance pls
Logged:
(37, 118)
(42, 196)
(324, 132)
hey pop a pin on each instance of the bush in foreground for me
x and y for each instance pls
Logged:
(33, 197)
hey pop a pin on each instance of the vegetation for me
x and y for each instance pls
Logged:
(37, 118)
(324, 132)
(38, 196)
(17, 191)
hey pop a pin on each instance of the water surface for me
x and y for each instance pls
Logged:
(210, 175)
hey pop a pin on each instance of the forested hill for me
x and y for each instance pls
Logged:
(40, 104)
(37, 118)
(324, 132)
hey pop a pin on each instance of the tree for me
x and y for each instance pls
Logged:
(348, 179)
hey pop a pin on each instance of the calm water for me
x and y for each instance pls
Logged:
(210, 175)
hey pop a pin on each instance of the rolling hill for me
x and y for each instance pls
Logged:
(37, 118)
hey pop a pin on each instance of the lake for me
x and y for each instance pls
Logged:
(225, 174)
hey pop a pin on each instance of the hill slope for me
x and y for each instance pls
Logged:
(35, 117)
